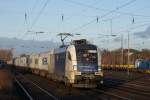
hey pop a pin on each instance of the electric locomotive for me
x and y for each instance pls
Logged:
(78, 64)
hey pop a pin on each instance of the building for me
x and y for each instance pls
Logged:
(6, 55)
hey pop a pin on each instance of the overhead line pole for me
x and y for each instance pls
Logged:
(128, 54)
(122, 58)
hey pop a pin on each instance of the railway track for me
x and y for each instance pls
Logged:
(137, 83)
(115, 91)
(110, 94)
(95, 94)
(145, 84)
(24, 91)
(32, 91)
(133, 88)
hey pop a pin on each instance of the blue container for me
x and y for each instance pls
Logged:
(142, 64)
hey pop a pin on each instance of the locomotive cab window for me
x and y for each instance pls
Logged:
(87, 55)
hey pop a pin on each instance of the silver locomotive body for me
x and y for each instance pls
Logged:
(79, 65)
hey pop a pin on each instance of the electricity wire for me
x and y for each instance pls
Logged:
(114, 10)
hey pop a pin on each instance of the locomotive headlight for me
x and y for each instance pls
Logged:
(99, 69)
(77, 73)
(99, 73)
(75, 67)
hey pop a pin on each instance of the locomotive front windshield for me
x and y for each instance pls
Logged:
(87, 58)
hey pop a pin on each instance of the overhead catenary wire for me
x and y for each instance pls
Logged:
(130, 14)
(127, 26)
(63, 21)
(138, 26)
(132, 28)
(117, 8)
(108, 10)
(114, 10)
(34, 7)
(39, 14)
(36, 18)
(32, 10)
(84, 10)
(96, 18)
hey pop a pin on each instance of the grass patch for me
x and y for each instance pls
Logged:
(6, 83)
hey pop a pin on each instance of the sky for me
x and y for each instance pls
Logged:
(95, 20)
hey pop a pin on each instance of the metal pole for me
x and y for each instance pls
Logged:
(128, 54)
(122, 49)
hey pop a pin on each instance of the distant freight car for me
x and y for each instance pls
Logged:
(34, 63)
(43, 63)
(2, 64)
(22, 62)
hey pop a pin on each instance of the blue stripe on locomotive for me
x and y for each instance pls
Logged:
(88, 68)
(60, 63)
(60, 59)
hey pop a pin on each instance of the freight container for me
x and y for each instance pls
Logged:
(142, 64)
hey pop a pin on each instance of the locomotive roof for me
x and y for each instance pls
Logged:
(81, 46)
(60, 50)
(86, 46)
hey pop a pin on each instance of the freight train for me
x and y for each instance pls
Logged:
(140, 65)
(115, 60)
(77, 64)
